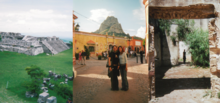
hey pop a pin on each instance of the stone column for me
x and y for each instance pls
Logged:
(214, 54)
(147, 56)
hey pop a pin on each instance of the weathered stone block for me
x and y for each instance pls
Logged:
(43, 97)
(51, 99)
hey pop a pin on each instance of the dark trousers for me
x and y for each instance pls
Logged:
(124, 77)
(184, 60)
(114, 77)
(137, 58)
(141, 57)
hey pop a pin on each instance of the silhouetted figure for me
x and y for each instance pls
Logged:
(184, 56)
(141, 56)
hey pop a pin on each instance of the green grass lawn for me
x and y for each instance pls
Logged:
(12, 70)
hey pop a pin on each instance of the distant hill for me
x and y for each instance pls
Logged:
(111, 25)
(66, 40)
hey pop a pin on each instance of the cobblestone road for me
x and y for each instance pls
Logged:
(92, 85)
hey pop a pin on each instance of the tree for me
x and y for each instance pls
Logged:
(143, 42)
(87, 52)
(71, 43)
(199, 47)
(35, 72)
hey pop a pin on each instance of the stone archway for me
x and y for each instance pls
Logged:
(193, 10)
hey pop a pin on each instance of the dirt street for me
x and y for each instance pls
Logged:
(92, 85)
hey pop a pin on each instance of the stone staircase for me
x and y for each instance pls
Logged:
(50, 47)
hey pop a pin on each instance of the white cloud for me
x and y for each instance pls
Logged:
(141, 32)
(100, 14)
(35, 21)
(140, 13)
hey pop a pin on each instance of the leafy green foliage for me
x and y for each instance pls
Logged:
(33, 86)
(143, 42)
(77, 56)
(35, 72)
(0, 38)
(64, 90)
(164, 25)
(87, 52)
(199, 46)
(184, 27)
(71, 43)
(219, 95)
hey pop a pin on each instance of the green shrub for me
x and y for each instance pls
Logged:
(199, 47)
(64, 90)
(219, 95)
(33, 86)
(37, 75)
(87, 52)
(99, 57)
(35, 72)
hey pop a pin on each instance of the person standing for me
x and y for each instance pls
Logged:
(141, 55)
(136, 56)
(123, 68)
(80, 58)
(114, 65)
(83, 57)
(184, 56)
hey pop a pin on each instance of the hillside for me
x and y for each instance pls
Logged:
(111, 25)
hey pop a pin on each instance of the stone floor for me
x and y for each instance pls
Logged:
(187, 71)
(92, 85)
(183, 84)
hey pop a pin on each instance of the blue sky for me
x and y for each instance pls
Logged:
(130, 14)
(37, 17)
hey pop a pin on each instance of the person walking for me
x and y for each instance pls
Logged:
(184, 56)
(114, 65)
(83, 58)
(123, 68)
(141, 55)
(80, 58)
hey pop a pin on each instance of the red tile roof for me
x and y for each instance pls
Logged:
(90, 42)
(74, 16)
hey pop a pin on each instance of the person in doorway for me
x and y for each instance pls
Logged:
(80, 58)
(114, 65)
(184, 56)
(83, 58)
(141, 55)
(123, 68)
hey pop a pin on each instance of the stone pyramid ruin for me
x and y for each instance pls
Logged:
(30, 45)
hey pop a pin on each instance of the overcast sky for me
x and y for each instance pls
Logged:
(37, 17)
(130, 13)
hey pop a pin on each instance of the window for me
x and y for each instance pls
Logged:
(91, 49)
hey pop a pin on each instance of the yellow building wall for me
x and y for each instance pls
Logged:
(101, 42)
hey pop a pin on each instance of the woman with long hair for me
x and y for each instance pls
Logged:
(123, 67)
(114, 66)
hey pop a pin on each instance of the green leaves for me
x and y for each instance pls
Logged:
(199, 47)
(64, 90)
(35, 72)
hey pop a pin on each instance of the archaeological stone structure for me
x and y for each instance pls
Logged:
(30, 45)
(205, 11)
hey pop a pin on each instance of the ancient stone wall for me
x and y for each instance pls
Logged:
(31, 45)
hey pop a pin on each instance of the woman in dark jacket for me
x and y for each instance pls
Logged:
(114, 65)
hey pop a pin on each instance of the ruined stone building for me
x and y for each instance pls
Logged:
(30, 45)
